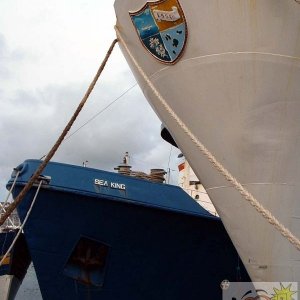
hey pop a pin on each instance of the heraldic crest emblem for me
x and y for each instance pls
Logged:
(162, 29)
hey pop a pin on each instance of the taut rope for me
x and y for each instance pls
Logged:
(220, 168)
(51, 153)
(22, 226)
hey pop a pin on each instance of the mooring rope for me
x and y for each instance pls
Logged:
(220, 168)
(10, 190)
(3, 211)
(4, 204)
(22, 226)
(51, 153)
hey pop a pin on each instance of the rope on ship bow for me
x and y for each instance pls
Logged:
(266, 214)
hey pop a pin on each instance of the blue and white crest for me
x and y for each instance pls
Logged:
(162, 29)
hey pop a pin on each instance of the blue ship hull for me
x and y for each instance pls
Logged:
(99, 235)
(16, 263)
(6, 239)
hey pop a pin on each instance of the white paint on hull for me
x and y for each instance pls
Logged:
(237, 87)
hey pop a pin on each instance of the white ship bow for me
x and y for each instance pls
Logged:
(237, 88)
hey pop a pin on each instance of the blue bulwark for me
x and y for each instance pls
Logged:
(98, 183)
(99, 235)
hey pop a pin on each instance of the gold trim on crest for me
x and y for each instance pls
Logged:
(163, 17)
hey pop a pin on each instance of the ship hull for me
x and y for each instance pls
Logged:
(15, 265)
(236, 88)
(152, 240)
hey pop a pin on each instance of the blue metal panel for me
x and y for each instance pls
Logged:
(79, 180)
(163, 245)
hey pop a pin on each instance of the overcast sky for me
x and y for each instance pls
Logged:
(49, 53)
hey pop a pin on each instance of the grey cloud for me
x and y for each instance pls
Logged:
(32, 115)
(36, 119)
(8, 57)
(3, 52)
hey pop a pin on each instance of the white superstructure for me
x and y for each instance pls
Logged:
(190, 183)
(237, 88)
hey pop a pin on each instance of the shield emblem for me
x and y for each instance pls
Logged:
(162, 29)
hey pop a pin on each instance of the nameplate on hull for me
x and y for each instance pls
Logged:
(110, 184)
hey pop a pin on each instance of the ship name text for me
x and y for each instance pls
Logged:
(112, 185)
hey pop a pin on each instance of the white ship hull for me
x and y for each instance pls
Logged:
(237, 88)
